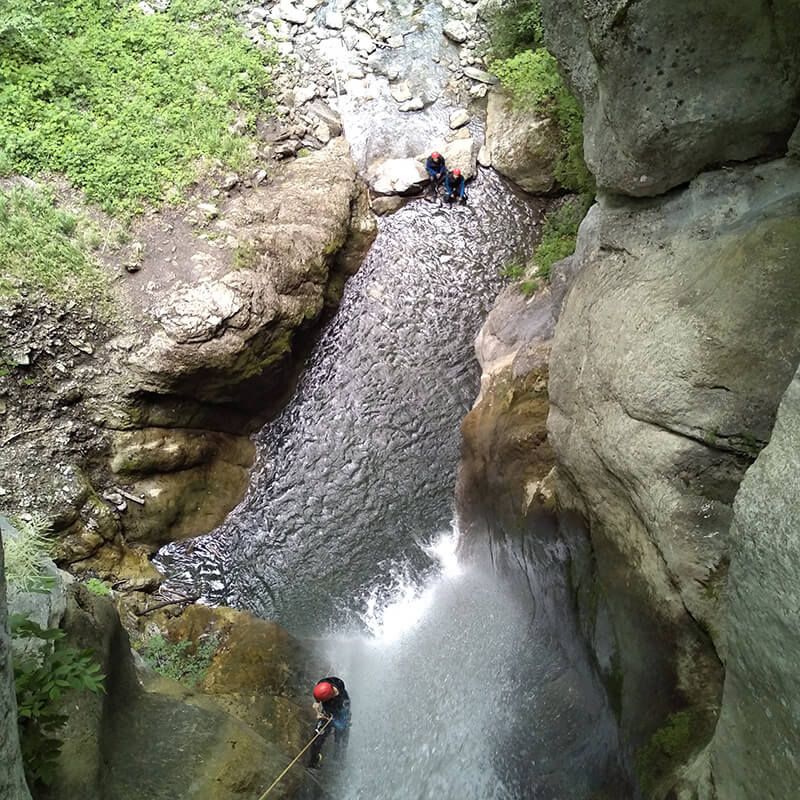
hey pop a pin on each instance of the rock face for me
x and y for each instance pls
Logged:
(523, 146)
(754, 752)
(161, 739)
(12, 779)
(644, 71)
(670, 358)
(207, 363)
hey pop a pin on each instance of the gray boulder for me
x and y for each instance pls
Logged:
(671, 88)
(456, 31)
(397, 176)
(525, 146)
(754, 752)
(671, 355)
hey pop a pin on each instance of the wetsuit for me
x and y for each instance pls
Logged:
(338, 709)
(436, 169)
(454, 187)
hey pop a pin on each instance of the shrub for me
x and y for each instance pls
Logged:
(559, 234)
(125, 103)
(42, 680)
(180, 661)
(515, 26)
(533, 81)
(667, 747)
(41, 247)
(25, 555)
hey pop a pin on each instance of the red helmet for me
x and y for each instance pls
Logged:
(457, 173)
(435, 156)
(324, 691)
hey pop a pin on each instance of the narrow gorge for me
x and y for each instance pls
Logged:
(523, 471)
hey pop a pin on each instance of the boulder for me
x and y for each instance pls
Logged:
(461, 154)
(414, 104)
(525, 145)
(456, 31)
(397, 176)
(754, 751)
(401, 91)
(327, 115)
(334, 20)
(289, 12)
(387, 205)
(670, 88)
(481, 75)
(672, 352)
(459, 118)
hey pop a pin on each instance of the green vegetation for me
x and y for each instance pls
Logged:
(25, 555)
(126, 104)
(42, 247)
(529, 73)
(181, 661)
(669, 745)
(98, 587)
(43, 677)
(559, 234)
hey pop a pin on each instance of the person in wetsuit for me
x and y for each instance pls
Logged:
(332, 704)
(436, 169)
(454, 187)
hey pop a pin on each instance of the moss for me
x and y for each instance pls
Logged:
(670, 745)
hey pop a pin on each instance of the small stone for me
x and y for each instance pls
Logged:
(365, 43)
(401, 92)
(259, 177)
(133, 267)
(395, 41)
(146, 9)
(334, 20)
(459, 118)
(289, 12)
(480, 75)
(478, 90)
(414, 104)
(209, 209)
(230, 181)
(375, 6)
(456, 31)
(256, 15)
(304, 94)
(323, 133)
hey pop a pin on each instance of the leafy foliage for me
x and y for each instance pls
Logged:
(668, 746)
(43, 678)
(559, 233)
(181, 661)
(515, 26)
(44, 247)
(125, 103)
(98, 587)
(533, 81)
(26, 552)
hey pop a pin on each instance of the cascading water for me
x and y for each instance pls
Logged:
(468, 680)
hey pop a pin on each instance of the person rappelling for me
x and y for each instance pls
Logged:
(332, 705)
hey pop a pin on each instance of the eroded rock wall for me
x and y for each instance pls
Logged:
(12, 779)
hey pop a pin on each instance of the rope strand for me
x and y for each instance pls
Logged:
(295, 759)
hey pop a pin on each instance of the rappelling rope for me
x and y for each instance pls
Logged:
(295, 759)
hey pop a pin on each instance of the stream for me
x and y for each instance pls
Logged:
(469, 680)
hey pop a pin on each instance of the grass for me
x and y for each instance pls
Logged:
(127, 105)
(42, 247)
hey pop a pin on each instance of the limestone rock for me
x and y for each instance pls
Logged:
(670, 88)
(456, 31)
(480, 75)
(397, 176)
(304, 94)
(485, 156)
(288, 12)
(334, 20)
(327, 115)
(387, 205)
(525, 145)
(459, 118)
(401, 92)
(670, 357)
(755, 744)
(461, 154)
(414, 104)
